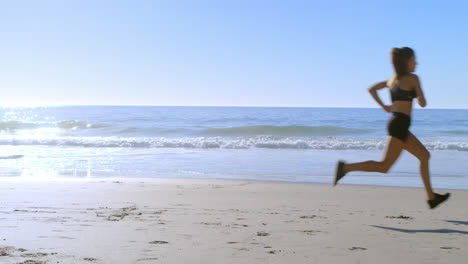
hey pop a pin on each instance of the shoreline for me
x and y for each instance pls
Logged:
(140, 179)
(232, 221)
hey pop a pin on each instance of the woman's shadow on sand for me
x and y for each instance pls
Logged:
(439, 231)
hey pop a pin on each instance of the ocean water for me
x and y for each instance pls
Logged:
(255, 143)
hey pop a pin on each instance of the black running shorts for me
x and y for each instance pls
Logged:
(398, 126)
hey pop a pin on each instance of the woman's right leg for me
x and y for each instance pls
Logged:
(394, 148)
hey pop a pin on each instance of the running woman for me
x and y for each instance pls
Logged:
(404, 87)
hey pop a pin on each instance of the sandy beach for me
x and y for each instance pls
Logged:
(219, 221)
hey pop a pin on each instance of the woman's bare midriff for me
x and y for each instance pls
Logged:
(404, 107)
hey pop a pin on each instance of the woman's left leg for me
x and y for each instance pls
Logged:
(415, 147)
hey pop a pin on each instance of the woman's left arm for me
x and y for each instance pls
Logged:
(419, 92)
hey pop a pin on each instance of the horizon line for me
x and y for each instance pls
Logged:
(236, 106)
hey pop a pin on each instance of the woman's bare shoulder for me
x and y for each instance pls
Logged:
(391, 81)
(409, 80)
(414, 79)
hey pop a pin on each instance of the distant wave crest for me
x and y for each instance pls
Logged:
(66, 124)
(13, 125)
(284, 130)
(74, 124)
(456, 132)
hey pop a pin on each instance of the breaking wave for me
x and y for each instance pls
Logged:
(253, 142)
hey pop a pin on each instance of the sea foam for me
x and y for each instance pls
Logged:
(245, 142)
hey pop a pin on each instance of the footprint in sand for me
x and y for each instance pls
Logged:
(158, 242)
(146, 259)
(239, 225)
(308, 216)
(120, 214)
(273, 251)
(34, 255)
(399, 217)
(357, 248)
(311, 232)
(449, 248)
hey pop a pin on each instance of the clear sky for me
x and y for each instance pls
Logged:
(227, 52)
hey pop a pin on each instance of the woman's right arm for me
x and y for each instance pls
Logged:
(373, 92)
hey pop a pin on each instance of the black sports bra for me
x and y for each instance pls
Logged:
(401, 95)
